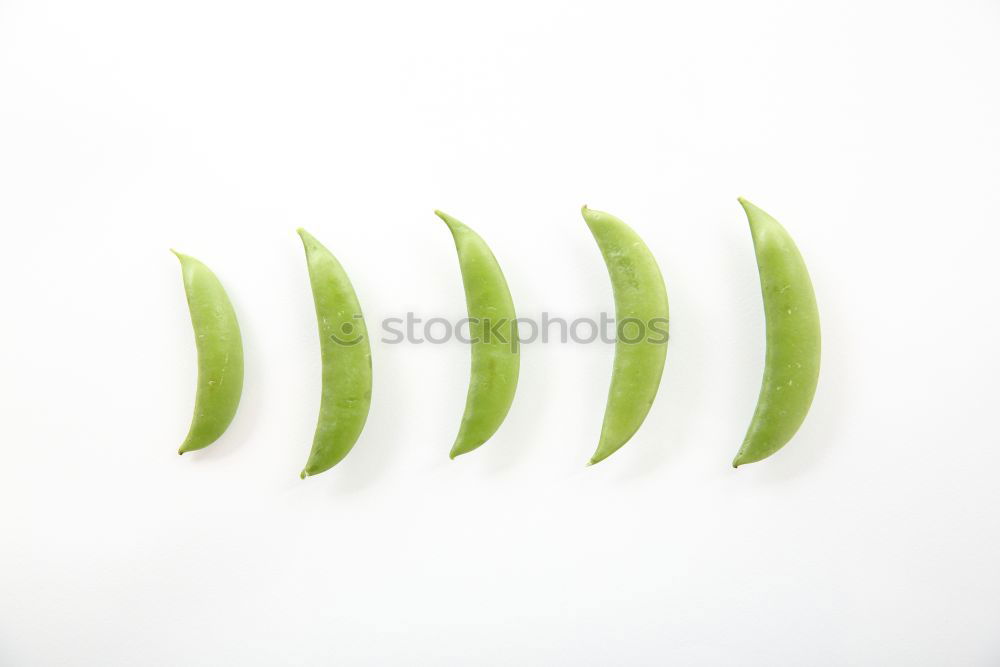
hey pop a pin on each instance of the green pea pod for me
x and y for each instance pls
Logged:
(493, 332)
(791, 366)
(220, 354)
(347, 360)
(640, 307)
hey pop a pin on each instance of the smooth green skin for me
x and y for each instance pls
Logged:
(347, 366)
(495, 362)
(639, 294)
(791, 366)
(220, 354)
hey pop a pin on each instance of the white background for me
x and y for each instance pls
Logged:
(870, 129)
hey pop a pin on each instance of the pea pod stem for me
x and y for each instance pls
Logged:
(792, 360)
(220, 354)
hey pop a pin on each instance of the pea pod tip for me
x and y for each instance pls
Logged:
(743, 458)
(601, 454)
(456, 452)
(748, 206)
(452, 223)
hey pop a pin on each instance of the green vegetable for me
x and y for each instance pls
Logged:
(347, 360)
(220, 354)
(791, 366)
(642, 316)
(493, 332)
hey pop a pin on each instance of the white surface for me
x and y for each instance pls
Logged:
(869, 129)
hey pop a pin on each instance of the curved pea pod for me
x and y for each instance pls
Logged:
(640, 301)
(791, 365)
(347, 360)
(220, 354)
(493, 331)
